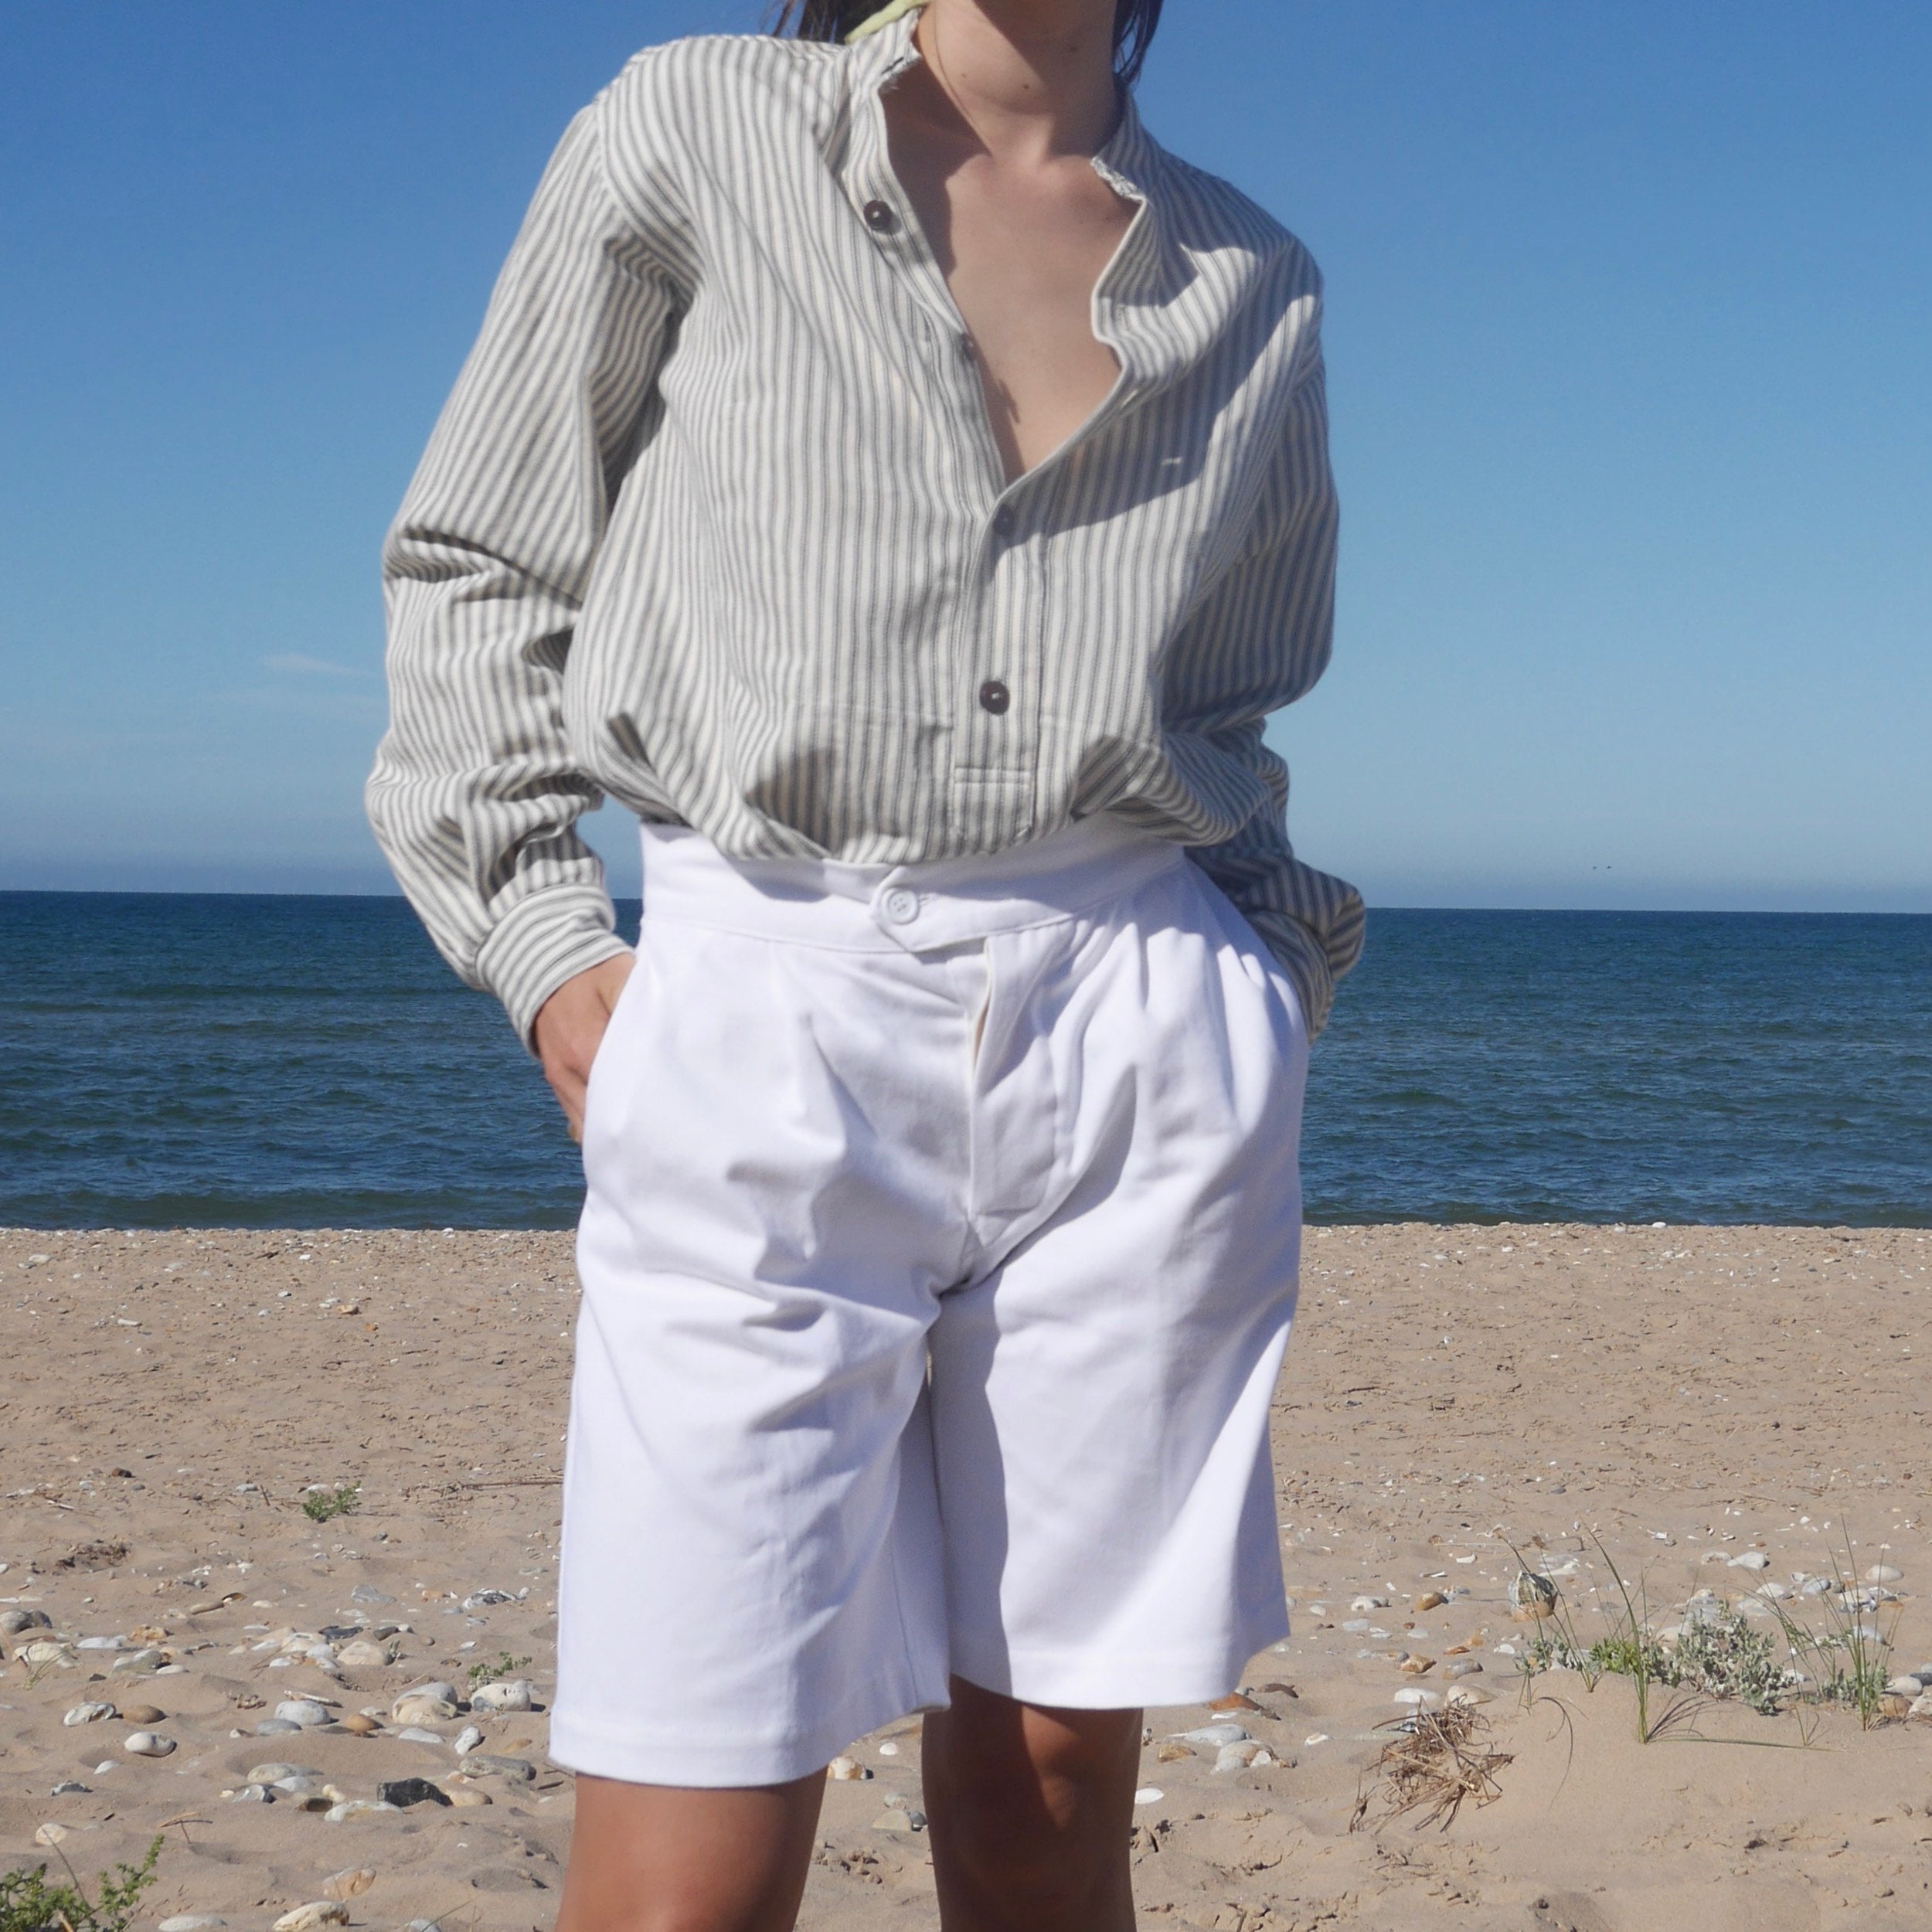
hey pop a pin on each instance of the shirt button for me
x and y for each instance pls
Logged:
(966, 352)
(900, 904)
(879, 217)
(1003, 520)
(994, 697)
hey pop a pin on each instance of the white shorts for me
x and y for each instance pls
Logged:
(938, 1253)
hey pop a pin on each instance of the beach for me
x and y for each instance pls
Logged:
(1709, 1409)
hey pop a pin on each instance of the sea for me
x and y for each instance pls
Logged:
(282, 1061)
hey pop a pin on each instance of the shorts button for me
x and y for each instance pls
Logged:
(900, 904)
(994, 697)
(880, 219)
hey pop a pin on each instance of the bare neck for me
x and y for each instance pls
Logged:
(1033, 79)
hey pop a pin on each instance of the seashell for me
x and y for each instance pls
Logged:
(351, 1883)
(45, 1650)
(1360, 1604)
(1149, 1795)
(362, 1654)
(846, 1770)
(90, 1714)
(1535, 1594)
(414, 1708)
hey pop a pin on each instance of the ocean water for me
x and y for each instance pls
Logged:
(288, 1061)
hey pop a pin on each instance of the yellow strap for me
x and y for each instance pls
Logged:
(886, 14)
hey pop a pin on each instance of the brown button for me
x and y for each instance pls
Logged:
(879, 217)
(994, 697)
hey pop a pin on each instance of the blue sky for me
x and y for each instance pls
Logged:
(1627, 326)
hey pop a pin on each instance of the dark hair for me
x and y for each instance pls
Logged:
(1134, 24)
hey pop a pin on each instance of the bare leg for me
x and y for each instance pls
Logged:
(660, 1857)
(1031, 1812)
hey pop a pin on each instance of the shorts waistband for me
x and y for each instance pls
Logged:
(910, 908)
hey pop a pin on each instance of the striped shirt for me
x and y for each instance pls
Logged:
(715, 524)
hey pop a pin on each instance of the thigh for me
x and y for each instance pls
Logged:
(750, 1547)
(1101, 1397)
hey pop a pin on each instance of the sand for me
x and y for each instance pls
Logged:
(1685, 1395)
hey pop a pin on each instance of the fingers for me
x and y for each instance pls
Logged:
(570, 1029)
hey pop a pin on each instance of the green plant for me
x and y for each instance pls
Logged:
(323, 1505)
(29, 1903)
(1849, 1663)
(505, 1666)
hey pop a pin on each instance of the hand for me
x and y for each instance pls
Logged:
(569, 1027)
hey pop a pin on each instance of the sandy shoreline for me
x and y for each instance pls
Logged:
(1685, 1394)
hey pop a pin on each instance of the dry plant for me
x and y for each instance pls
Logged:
(1436, 1761)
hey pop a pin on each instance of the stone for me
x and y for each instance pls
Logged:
(1471, 1694)
(1235, 1701)
(1149, 1795)
(484, 1599)
(306, 1713)
(466, 1741)
(1173, 1751)
(414, 1708)
(306, 1918)
(143, 1714)
(368, 1593)
(1463, 1667)
(1417, 1666)
(516, 1694)
(1429, 1600)
(1533, 1593)
(1361, 1604)
(90, 1714)
(1884, 1573)
(1420, 1700)
(415, 1734)
(252, 1794)
(12, 1622)
(1241, 1757)
(467, 1797)
(362, 1655)
(148, 1744)
(192, 1922)
(277, 1727)
(402, 1792)
(1357, 1627)
(103, 1643)
(51, 1834)
(275, 1772)
(351, 1883)
(1750, 1559)
(349, 1807)
(358, 1725)
(1904, 1686)
(1920, 1706)
(1891, 1705)
(846, 1770)
(512, 1770)
(43, 1650)
(138, 1662)
(1215, 1734)
(69, 1787)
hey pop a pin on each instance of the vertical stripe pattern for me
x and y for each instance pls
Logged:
(713, 523)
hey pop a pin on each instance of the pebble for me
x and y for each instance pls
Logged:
(517, 1695)
(483, 1599)
(1417, 1666)
(359, 1725)
(143, 1714)
(1235, 1701)
(103, 1643)
(514, 1771)
(90, 1714)
(252, 1794)
(51, 1834)
(351, 1883)
(415, 1734)
(305, 1714)
(1420, 1700)
(1534, 1593)
(278, 1772)
(1215, 1734)
(306, 1918)
(192, 1922)
(1429, 1600)
(467, 1797)
(276, 1727)
(1905, 1686)
(138, 1662)
(1463, 1667)
(351, 1807)
(1361, 1603)
(1751, 1560)
(1471, 1694)
(1920, 1706)
(1357, 1627)
(362, 1655)
(12, 1622)
(466, 1741)
(1884, 1573)
(402, 1792)
(1244, 1756)
(1316, 1737)
(1149, 1795)
(846, 1770)
(899, 1821)
(1172, 1753)
(148, 1744)
(67, 1787)
(1892, 1706)
(368, 1593)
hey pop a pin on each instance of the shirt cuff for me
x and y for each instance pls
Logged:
(1299, 954)
(541, 942)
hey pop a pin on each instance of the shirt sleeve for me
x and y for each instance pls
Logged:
(1271, 620)
(474, 795)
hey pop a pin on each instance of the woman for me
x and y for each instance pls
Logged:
(903, 485)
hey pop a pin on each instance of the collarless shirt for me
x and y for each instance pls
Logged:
(714, 523)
